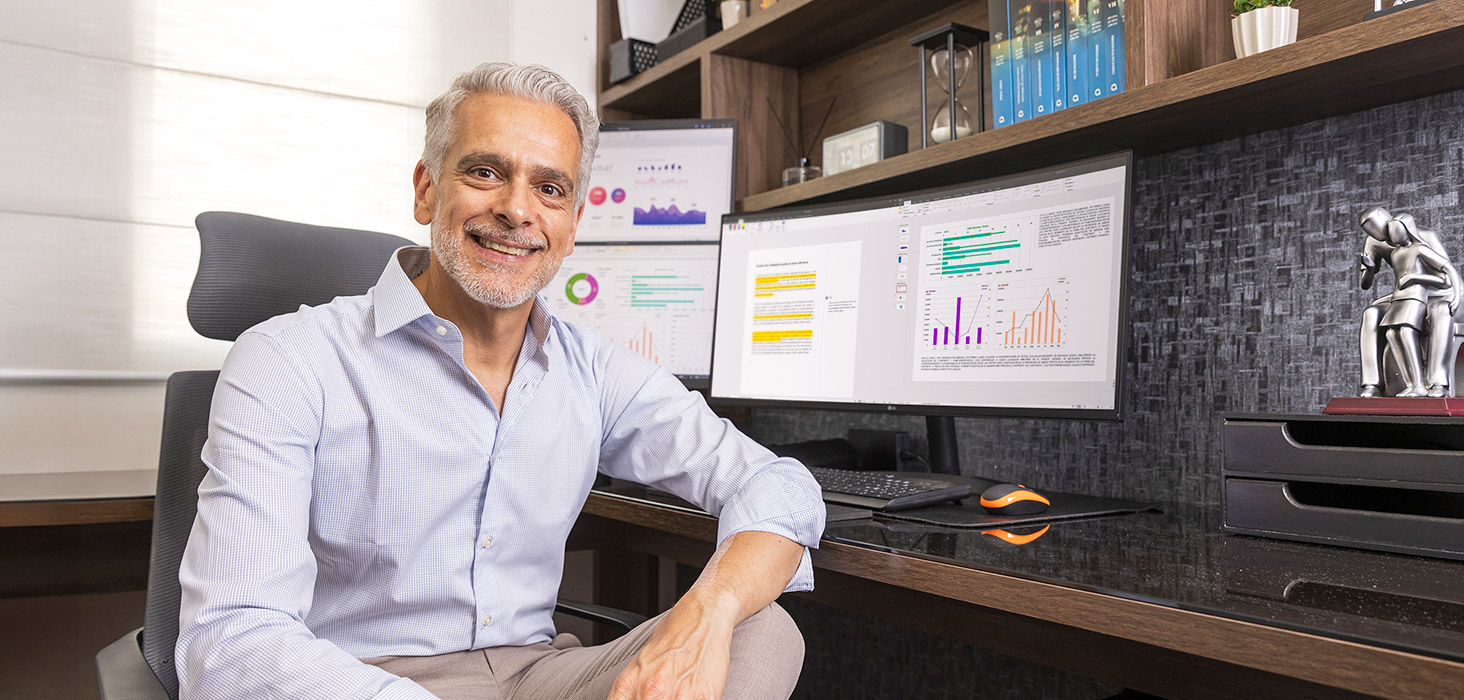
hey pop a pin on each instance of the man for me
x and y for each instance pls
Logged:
(392, 477)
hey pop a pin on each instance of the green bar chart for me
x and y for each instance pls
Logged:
(976, 247)
(660, 291)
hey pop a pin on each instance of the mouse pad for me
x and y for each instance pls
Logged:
(970, 514)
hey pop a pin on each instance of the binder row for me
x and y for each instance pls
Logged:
(1048, 55)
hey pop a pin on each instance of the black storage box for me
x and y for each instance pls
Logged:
(683, 39)
(1391, 483)
(630, 56)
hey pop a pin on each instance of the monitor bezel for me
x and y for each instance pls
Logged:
(1118, 158)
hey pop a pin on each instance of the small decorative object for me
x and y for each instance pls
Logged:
(1379, 10)
(951, 61)
(1262, 25)
(696, 21)
(732, 12)
(1414, 326)
(629, 57)
(867, 144)
(805, 170)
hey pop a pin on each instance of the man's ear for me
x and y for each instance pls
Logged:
(425, 200)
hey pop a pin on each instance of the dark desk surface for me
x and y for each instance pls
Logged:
(1172, 580)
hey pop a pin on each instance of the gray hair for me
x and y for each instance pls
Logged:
(532, 82)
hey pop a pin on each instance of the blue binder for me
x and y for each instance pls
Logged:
(1041, 60)
(1021, 37)
(1002, 110)
(1077, 51)
(1057, 48)
(1113, 18)
(1098, 49)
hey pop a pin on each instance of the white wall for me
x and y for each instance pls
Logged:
(121, 120)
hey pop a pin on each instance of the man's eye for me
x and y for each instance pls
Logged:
(484, 173)
(552, 190)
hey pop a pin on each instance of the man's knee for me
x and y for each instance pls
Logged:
(767, 652)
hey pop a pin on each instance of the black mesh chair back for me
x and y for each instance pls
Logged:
(180, 469)
(250, 269)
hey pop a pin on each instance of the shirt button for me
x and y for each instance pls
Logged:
(442, 330)
(487, 542)
(487, 620)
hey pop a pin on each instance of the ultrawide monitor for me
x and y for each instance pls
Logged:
(660, 180)
(655, 299)
(1000, 297)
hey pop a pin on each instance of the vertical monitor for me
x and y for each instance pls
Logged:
(999, 297)
(660, 180)
(656, 299)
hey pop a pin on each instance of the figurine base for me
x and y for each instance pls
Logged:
(1394, 406)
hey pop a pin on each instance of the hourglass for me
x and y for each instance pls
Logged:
(950, 68)
(951, 60)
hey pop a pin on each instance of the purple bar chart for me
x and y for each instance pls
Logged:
(964, 328)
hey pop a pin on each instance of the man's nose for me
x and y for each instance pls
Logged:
(514, 206)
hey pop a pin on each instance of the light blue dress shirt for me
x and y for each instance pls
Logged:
(364, 498)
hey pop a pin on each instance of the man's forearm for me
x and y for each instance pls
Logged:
(749, 571)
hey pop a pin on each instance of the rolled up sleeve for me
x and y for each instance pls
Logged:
(660, 434)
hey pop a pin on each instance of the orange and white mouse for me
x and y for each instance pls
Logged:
(1013, 499)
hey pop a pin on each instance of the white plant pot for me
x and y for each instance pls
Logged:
(1263, 29)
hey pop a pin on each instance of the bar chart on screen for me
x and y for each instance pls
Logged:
(654, 299)
(974, 247)
(643, 343)
(1032, 313)
(957, 317)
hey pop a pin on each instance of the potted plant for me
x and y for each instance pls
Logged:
(1262, 25)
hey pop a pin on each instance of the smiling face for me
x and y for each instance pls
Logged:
(502, 208)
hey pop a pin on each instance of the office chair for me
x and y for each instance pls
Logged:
(250, 268)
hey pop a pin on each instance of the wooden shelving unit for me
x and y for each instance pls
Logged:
(1185, 87)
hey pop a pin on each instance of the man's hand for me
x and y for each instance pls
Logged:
(686, 657)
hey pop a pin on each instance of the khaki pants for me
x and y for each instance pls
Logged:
(767, 656)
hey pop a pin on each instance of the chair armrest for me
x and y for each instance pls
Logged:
(615, 617)
(122, 673)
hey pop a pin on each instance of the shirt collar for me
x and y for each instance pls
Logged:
(398, 302)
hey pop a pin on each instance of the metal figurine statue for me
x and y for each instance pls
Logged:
(1426, 295)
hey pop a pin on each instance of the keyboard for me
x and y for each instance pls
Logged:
(888, 491)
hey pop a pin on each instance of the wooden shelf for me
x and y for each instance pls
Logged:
(1402, 56)
(670, 90)
(791, 34)
(1183, 92)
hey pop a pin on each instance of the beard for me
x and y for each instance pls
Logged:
(488, 283)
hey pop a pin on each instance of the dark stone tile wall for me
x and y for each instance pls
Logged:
(1242, 298)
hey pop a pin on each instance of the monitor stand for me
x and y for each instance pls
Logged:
(945, 456)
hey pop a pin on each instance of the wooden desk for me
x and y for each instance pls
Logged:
(1153, 646)
(77, 498)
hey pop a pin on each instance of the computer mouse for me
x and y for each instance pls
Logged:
(1013, 499)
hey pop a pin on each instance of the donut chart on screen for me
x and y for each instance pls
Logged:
(584, 297)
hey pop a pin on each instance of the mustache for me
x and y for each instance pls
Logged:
(515, 237)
